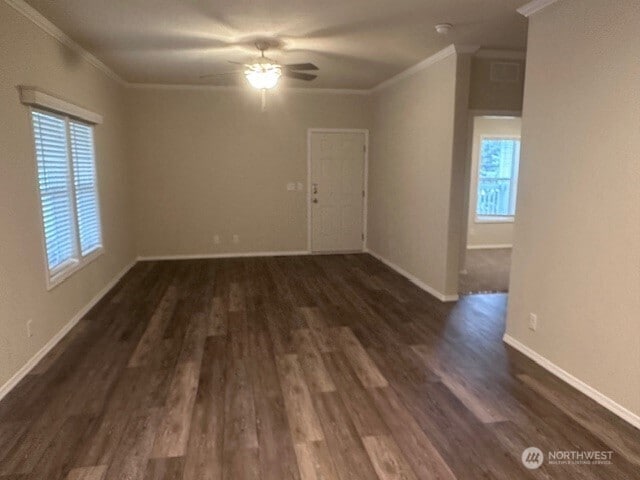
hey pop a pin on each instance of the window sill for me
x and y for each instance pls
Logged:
(74, 266)
(494, 219)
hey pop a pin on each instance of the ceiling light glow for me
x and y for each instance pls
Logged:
(263, 76)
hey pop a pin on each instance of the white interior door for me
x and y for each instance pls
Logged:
(337, 191)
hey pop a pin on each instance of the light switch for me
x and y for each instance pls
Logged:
(291, 186)
(300, 186)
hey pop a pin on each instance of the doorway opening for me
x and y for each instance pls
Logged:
(492, 195)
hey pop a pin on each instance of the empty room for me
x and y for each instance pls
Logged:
(337, 240)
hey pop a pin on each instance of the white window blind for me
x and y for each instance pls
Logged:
(84, 174)
(68, 192)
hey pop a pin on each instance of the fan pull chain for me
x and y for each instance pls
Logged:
(264, 99)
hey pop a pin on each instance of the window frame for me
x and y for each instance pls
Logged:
(57, 275)
(485, 219)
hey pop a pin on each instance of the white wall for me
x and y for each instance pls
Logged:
(414, 182)
(576, 257)
(482, 234)
(28, 56)
(208, 162)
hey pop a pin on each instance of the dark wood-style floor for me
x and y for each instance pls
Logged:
(486, 270)
(322, 367)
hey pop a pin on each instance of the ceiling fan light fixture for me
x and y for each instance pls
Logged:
(263, 76)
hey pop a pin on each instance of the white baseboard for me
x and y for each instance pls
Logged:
(576, 383)
(221, 255)
(413, 279)
(489, 246)
(33, 361)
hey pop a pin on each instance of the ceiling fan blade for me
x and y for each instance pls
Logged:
(210, 75)
(237, 63)
(301, 66)
(299, 75)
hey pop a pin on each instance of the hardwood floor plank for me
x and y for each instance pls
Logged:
(155, 329)
(240, 429)
(387, 459)
(627, 445)
(173, 433)
(236, 298)
(366, 370)
(474, 397)
(241, 464)
(347, 451)
(204, 455)
(276, 453)
(88, 473)
(314, 461)
(57, 460)
(133, 452)
(218, 317)
(357, 400)
(164, 469)
(318, 378)
(420, 453)
(328, 367)
(22, 457)
(303, 419)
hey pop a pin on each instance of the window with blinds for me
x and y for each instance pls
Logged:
(68, 192)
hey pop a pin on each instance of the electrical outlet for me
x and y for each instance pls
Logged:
(29, 328)
(236, 238)
(216, 239)
(533, 321)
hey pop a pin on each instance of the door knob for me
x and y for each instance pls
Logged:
(315, 200)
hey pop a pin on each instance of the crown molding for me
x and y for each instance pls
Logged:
(427, 62)
(38, 19)
(466, 49)
(534, 6)
(496, 54)
(238, 88)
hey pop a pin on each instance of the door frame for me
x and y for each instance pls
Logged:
(365, 186)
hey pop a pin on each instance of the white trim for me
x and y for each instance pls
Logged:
(535, 6)
(365, 186)
(496, 54)
(37, 98)
(489, 246)
(495, 113)
(493, 219)
(427, 62)
(33, 361)
(76, 264)
(47, 26)
(238, 88)
(197, 256)
(466, 49)
(413, 279)
(575, 382)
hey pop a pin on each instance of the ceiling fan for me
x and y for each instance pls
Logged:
(264, 73)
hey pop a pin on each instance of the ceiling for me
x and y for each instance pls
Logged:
(356, 43)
